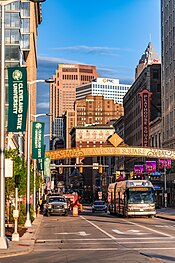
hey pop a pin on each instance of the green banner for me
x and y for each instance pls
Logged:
(17, 99)
(47, 167)
(40, 162)
(38, 140)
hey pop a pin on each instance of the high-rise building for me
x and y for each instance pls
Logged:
(96, 109)
(63, 91)
(21, 21)
(149, 79)
(168, 72)
(109, 88)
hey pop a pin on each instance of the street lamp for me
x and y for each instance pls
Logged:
(3, 240)
(30, 83)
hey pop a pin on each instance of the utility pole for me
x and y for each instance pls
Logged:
(165, 186)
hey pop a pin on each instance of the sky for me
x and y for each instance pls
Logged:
(111, 35)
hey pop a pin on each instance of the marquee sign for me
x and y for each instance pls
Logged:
(161, 153)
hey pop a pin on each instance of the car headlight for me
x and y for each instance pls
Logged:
(49, 206)
(65, 205)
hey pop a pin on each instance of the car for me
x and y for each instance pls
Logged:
(99, 206)
(56, 205)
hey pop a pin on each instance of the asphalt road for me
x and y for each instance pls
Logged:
(100, 237)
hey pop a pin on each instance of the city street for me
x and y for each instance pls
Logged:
(102, 237)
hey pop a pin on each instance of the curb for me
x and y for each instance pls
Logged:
(165, 217)
(26, 243)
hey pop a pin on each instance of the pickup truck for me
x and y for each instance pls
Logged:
(56, 205)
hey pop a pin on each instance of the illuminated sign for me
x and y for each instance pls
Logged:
(168, 163)
(139, 189)
(138, 168)
(150, 166)
(161, 153)
(145, 105)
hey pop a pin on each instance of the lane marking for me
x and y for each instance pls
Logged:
(150, 229)
(103, 248)
(103, 231)
(129, 232)
(80, 233)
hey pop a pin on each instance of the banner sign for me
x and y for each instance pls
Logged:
(17, 99)
(167, 162)
(38, 140)
(138, 168)
(47, 167)
(145, 106)
(40, 162)
(150, 166)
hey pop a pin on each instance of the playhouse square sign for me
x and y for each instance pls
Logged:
(149, 152)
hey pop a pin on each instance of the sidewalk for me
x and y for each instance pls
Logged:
(166, 213)
(25, 243)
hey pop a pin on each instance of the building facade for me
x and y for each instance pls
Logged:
(109, 88)
(149, 79)
(21, 22)
(63, 91)
(93, 136)
(168, 72)
(96, 109)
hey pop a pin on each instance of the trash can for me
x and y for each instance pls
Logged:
(75, 210)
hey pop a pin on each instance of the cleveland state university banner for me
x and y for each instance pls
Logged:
(17, 99)
(38, 140)
(40, 162)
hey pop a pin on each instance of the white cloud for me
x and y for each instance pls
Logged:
(43, 105)
(94, 50)
(57, 60)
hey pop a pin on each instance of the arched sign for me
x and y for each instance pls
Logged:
(112, 151)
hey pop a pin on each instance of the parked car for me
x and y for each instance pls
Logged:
(56, 205)
(99, 206)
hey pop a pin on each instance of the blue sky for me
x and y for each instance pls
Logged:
(112, 35)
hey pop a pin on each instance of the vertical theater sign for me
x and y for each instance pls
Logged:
(145, 96)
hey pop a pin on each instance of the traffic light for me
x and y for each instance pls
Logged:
(60, 168)
(100, 169)
(131, 175)
(81, 169)
(117, 174)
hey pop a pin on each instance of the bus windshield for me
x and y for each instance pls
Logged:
(142, 196)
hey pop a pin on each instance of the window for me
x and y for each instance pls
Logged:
(25, 27)
(12, 20)
(155, 74)
(25, 41)
(25, 9)
(12, 53)
(12, 36)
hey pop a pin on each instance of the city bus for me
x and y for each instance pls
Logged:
(132, 198)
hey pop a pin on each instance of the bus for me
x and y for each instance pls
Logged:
(132, 198)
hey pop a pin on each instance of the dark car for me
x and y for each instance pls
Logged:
(99, 206)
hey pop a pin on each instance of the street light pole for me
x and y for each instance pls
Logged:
(28, 221)
(165, 186)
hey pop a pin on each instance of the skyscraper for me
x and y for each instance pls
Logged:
(168, 72)
(63, 91)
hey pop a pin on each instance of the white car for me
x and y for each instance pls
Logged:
(99, 206)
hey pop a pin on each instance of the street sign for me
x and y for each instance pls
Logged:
(155, 174)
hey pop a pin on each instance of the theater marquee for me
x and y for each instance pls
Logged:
(112, 151)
